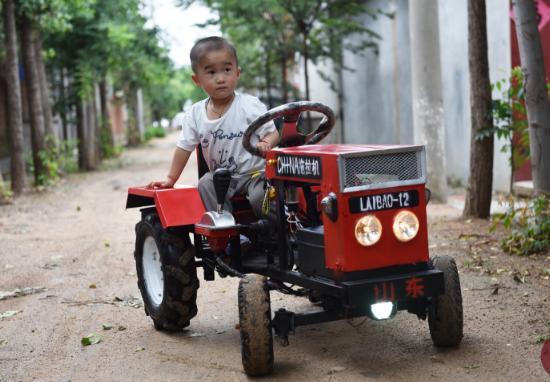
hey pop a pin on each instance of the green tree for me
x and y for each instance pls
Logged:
(15, 110)
(478, 196)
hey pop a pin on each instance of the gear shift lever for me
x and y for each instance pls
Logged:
(222, 179)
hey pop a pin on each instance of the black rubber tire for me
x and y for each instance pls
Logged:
(255, 326)
(445, 317)
(177, 255)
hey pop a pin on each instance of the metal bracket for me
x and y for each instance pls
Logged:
(283, 324)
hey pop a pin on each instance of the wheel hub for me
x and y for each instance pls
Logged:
(152, 271)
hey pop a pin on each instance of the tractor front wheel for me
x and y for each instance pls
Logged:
(255, 326)
(167, 275)
(445, 313)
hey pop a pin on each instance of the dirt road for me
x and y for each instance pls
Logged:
(77, 242)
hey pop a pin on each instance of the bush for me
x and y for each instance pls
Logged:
(154, 132)
(58, 159)
(528, 226)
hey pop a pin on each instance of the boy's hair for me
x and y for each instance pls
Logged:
(209, 44)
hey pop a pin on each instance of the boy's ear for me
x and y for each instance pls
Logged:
(238, 72)
(195, 79)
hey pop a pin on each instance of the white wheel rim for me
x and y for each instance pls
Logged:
(152, 271)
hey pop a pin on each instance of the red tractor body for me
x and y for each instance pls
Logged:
(334, 169)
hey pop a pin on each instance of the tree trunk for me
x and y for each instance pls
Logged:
(106, 131)
(268, 79)
(536, 96)
(45, 91)
(134, 138)
(62, 88)
(284, 80)
(96, 121)
(480, 184)
(427, 95)
(34, 96)
(306, 59)
(15, 109)
(81, 135)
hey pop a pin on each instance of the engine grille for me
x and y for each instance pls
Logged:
(377, 170)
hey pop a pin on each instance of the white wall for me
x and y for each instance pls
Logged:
(377, 94)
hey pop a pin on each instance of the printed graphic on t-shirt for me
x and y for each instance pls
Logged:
(224, 160)
(221, 139)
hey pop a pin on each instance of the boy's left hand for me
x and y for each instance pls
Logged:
(263, 146)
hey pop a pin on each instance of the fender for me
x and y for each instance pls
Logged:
(175, 206)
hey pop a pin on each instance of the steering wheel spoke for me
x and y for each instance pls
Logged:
(291, 112)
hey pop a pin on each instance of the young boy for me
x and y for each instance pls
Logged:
(218, 124)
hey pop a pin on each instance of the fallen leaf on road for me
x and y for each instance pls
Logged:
(121, 328)
(130, 301)
(196, 334)
(336, 369)
(107, 326)
(91, 339)
(9, 313)
(92, 286)
(49, 266)
(471, 367)
(106, 244)
(436, 359)
(21, 292)
(3, 342)
(220, 331)
(518, 278)
(141, 348)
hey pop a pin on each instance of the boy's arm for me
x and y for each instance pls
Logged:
(268, 141)
(179, 160)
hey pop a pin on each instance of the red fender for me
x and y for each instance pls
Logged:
(175, 206)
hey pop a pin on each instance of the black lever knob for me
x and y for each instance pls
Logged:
(222, 179)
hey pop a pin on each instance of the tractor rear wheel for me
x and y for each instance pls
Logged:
(255, 326)
(445, 317)
(167, 275)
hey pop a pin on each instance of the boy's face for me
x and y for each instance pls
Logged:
(217, 73)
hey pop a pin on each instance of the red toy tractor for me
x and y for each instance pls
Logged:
(346, 228)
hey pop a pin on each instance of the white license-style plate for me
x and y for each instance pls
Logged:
(386, 201)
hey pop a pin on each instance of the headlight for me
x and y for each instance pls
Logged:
(383, 310)
(368, 230)
(405, 226)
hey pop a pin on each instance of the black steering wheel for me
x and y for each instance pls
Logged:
(292, 111)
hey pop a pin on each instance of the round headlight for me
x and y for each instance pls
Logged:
(405, 226)
(368, 230)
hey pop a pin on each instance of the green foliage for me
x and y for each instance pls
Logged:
(5, 190)
(58, 160)
(167, 96)
(108, 150)
(528, 226)
(154, 132)
(509, 119)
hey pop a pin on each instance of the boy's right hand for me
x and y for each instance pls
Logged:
(168, 183)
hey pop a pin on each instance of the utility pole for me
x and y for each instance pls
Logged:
(427, 96)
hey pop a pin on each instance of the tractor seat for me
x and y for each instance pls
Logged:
(242, 211)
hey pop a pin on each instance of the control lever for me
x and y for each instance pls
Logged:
(222, 179)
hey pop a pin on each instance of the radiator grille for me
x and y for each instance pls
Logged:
(371, 171)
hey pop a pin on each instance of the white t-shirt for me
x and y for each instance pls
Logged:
(221, 139)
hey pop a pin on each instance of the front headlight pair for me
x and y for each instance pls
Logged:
(368, 229)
